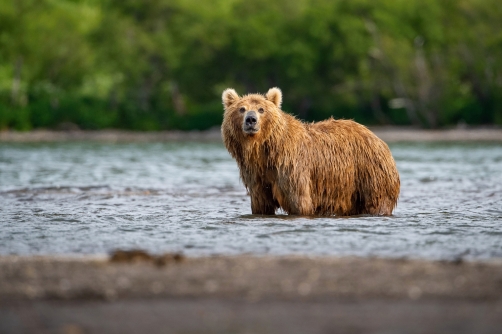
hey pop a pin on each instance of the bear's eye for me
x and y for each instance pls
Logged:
(261, 110)
(242, 109)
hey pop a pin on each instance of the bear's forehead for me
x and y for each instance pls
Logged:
(253, 99)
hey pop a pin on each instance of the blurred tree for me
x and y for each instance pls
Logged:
(160, 64)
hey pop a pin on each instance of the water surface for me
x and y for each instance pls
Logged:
(85, 198)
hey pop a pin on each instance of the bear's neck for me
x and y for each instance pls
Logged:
(256, 156)
(265, 154)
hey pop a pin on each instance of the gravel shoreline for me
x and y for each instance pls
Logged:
(247, 294)
(248, 277)
(388, 134)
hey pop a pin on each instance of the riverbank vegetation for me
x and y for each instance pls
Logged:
(162, 64)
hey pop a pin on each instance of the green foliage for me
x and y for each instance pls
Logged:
(162, 64)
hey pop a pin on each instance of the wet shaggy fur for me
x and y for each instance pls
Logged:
(333, 167)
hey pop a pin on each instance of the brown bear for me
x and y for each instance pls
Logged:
(333, 167)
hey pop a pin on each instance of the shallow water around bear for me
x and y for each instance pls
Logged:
(89, 198)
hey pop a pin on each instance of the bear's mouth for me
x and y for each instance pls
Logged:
(250, 130)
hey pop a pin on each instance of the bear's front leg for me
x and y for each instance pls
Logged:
(295, 196)
(301, 205)
(262, 201)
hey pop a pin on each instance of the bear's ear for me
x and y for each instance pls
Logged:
(229, 97)
(274, 95)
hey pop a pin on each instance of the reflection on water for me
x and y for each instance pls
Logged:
(83, 198)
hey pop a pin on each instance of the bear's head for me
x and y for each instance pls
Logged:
(254, 115)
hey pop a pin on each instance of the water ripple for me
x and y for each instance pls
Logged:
(83, 198)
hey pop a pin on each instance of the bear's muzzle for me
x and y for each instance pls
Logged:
(251, 122)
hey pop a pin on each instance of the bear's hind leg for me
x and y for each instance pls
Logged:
(384, 208)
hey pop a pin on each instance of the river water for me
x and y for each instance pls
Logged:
(89, 198)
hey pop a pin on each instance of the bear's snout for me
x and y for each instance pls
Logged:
(251, 122)
(251, 119)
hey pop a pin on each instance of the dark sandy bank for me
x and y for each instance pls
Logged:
(388, 134)
(252, 278)
(245, 294)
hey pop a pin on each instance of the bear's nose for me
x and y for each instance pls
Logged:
(251, 119)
